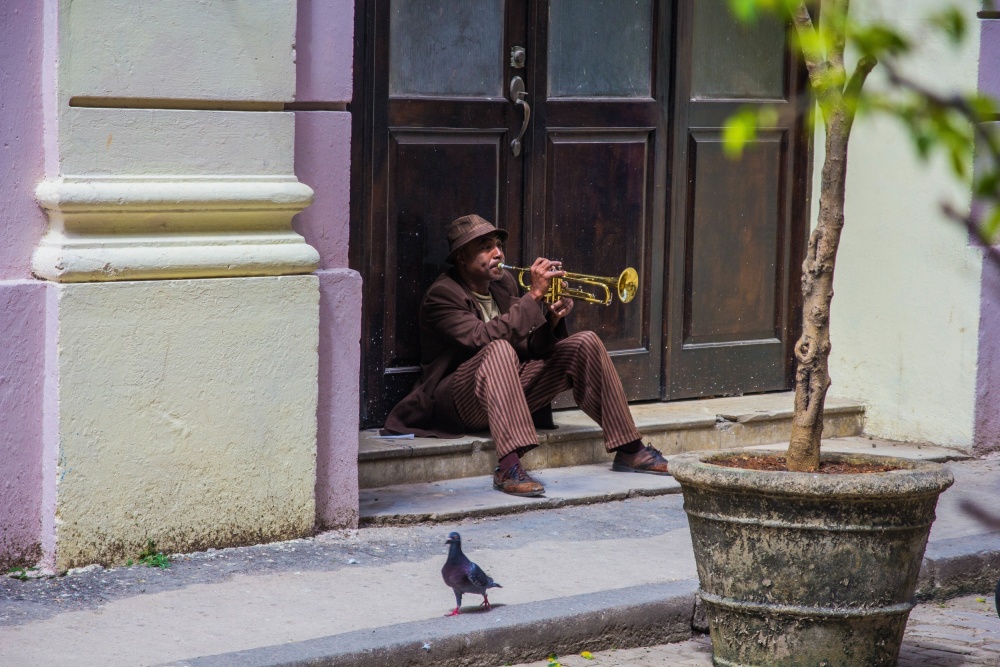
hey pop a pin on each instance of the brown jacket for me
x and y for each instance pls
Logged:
(452, 331)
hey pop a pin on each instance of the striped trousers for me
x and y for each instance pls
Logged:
(497, 390)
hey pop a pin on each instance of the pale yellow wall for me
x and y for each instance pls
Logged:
(187, 415)
(906, 306)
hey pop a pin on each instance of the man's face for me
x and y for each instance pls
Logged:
(479, 260)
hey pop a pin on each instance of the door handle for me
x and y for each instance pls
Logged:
(517, 95)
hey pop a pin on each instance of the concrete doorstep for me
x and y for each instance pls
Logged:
(575, 577)
(674, 427)
(473, 497)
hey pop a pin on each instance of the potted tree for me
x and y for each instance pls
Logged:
(797, 566)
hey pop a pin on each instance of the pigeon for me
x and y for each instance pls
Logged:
(464, 576)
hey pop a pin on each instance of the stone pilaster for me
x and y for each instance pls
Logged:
(182, 406)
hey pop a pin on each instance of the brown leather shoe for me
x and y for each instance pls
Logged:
(517, 482)
(648, 460)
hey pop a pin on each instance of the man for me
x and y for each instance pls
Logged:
(491, 357)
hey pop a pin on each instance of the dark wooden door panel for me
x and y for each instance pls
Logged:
(732, 272)
(432, 175)
(737, 238)
(597, 220)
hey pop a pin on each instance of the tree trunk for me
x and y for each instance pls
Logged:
(812, 351)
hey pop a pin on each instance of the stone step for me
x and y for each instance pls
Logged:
(474, 497)
(675, 427)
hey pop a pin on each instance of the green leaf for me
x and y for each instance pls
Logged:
(812, 41)
(983, 106)
(739, 130)
(879, 40)
(950, 21)
(992, 225)
(987, 185)
(744, 10)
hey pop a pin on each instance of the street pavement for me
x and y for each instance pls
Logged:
(961, 632)
(582, 577)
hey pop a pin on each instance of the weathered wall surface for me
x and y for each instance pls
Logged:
(905, 316)
(324, 45)
(184, 407)
(22, 301)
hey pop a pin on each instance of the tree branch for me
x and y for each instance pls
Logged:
(976, 230)
(836, 10)
(864, 67)
(816, 62)
(826, 79)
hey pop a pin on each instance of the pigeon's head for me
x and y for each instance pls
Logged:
(454, 538)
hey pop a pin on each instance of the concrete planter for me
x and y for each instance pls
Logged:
(803, 569)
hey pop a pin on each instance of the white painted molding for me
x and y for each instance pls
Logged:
(141, 229)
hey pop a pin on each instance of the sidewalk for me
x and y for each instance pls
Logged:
(591, 576)
(962, 632)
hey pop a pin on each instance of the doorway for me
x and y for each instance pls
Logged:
(568, 123)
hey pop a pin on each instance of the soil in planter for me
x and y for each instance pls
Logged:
(777, 463)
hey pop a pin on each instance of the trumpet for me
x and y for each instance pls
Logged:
(625, 286)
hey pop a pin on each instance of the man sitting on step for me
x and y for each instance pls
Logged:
(491, 357)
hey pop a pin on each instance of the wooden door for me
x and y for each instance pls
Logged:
(430, 141)
(621, 165)
(596, 173)
(737, 232)
(434, 124)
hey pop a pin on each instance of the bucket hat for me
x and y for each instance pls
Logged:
(468, 228)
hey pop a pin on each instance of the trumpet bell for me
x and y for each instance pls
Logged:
(628, 285)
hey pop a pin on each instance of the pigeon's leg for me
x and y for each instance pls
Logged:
(458, 605)
(486, 603)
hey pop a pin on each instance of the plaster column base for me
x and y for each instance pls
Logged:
(186, 414)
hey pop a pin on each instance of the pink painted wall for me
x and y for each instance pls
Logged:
(986, 437)
(323, 162)
(324, 56)
(989, 50)
(22, 222)
(324, 44)
(22, 363)
(22, 300)
(337, 432)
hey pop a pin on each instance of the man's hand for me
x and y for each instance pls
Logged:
(542, 273)
(560, 309)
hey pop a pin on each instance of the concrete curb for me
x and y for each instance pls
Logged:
(959, 566)
(622, 618)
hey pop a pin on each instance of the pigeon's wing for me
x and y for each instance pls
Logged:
(479, 578)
